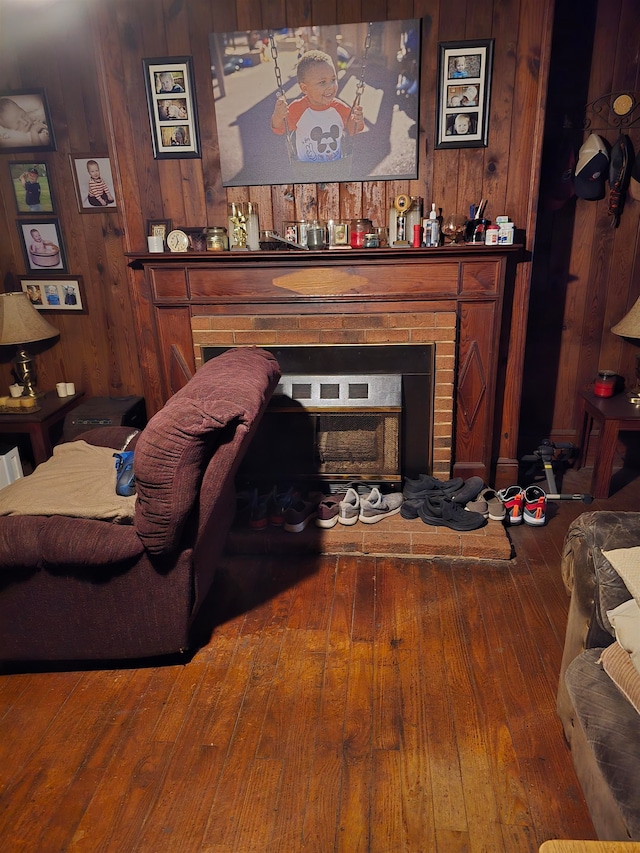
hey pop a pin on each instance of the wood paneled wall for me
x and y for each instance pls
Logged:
(87, 54)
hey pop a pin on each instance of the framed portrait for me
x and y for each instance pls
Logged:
(159, 228)
(172, 107)
(55, 294)
(464, 88)
(42, 244)
(31, 187)
(25, 123)
(364, 127)
(93, 182)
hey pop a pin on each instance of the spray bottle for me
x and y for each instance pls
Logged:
(435, 227)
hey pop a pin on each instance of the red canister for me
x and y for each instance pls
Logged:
(359, 227)
(604, 385)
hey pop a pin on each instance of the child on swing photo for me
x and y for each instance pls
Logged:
(318, 118)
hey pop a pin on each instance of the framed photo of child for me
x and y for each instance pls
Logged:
(464, 87)
(31, 187)
(318, 104)
(42, 245)
(56, 293)
(172, 107)
(93, 181)
(25, 123)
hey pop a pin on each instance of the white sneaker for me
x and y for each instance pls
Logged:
(376, 506)
(349, 508)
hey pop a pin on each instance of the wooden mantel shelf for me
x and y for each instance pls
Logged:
(474, 282)
(325, 257)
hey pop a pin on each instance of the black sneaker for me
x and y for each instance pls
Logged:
(443, 512)
(469, 491)
(426, 484)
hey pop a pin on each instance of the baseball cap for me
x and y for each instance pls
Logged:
(592, 169)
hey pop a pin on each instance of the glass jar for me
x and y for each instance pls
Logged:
(359, 227)
(316, 235)
(604, 385)
(217, 240)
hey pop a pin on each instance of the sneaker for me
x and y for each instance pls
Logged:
(469, 491)
(480, 506)
(279, 503)
(328, 510)
(377, 506)
(497, 512)
(535, 506)
(426, 483)
(301, 512)
(409, 508)
(349, 508)
(512, 498)
(259, 511)
(443, 512)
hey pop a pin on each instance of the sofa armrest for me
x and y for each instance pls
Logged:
(118, 437)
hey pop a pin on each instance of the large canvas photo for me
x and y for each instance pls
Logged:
(317, 104)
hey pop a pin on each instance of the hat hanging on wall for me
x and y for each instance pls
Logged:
(619, 175)
(592, 169)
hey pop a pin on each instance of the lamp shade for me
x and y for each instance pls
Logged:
(20, 323)
(629, 326)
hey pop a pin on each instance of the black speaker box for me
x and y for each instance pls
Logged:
(105, 411)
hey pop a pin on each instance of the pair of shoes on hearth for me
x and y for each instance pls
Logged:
(302, 511)
(464, 494)
(269, 509)
(528, 505)
(369, 508)
(442, 511)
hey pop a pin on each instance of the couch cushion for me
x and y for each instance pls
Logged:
(626, 562)
(174, 448)
(79, 480)
(625, 619)
(616, 662)
(610, 724)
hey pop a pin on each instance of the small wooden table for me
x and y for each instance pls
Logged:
(38, 424)
(613, 415)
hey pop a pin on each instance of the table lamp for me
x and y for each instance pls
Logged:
(629, 327)
(21, 324)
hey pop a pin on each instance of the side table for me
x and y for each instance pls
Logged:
(38, 424)
(613, 415)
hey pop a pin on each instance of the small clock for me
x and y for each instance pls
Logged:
(177, 241)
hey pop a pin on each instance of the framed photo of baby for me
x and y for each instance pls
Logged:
(93, 181)
(172, 107)
(464, 86)
(25, 123)
(42, 245)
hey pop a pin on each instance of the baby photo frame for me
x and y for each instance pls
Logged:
(93, 182)
(31, 187)
(42, 245)
(55, 294)
(464, 87)
(25, 122)
(172, 107)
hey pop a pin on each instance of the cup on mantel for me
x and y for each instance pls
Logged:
(155, 244)
(61, 388)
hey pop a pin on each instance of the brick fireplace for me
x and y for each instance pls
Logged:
(451, 297)
(391, 330)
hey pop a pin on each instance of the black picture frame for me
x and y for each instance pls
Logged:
(49, 234)
(464, 89)
(39, 137)
(159, 228)
(172, 107)
(55, 293)
(42, 201)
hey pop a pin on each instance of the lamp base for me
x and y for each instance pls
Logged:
(25, 372)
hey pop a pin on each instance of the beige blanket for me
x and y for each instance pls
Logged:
(79, 480)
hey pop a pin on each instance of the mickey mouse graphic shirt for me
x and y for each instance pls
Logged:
(318, 132)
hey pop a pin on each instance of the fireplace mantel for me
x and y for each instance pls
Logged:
(259, 295)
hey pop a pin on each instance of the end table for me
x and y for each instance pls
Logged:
(38, 424)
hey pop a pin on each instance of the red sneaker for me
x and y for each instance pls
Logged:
(535, 506)
(513, 499)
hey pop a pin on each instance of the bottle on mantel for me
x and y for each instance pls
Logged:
(435, 226)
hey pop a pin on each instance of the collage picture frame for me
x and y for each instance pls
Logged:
(172, 107)
(55, 293)
(464, 88)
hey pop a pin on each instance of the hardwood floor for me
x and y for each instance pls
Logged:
(341, 704)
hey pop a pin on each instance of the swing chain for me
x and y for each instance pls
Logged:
(363, 69)
(276, 67)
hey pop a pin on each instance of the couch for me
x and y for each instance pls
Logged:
(597, 701)
(86, 588)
